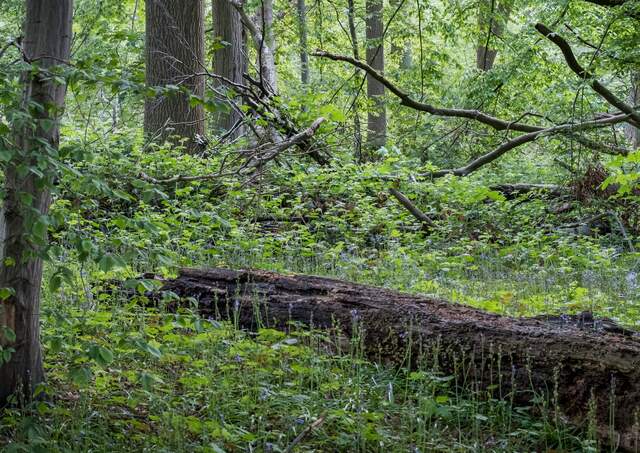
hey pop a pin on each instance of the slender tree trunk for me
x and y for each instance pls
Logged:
(377, 118)
(27, 198)
(229, 61)
(267, 46)
(633, 133)
(174, 54)
(492, 22)
(407, 56)
(357, 128)
(304, 54)
(261, 32)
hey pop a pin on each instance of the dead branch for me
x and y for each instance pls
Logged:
(305, 432)
(521, 140)
(513, 190)
(412, 208)
(257, 158)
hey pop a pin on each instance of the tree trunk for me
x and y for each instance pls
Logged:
(585, 363)
(229, 61)
(47, 41)
(633, 133)
(304, 54)
(407, 56)
(377, 118)
(492, 21)
(263, 41)
(357, 129)
(174, 54)
(267, 46)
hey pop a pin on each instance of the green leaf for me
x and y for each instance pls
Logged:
(55, 282)
(148, 380)
(9, 334)
(109, 262)
(106, 355)
(80, 375)
(40, 229)
(6, 293)
(102, 356)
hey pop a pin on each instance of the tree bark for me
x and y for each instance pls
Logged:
(174, 54)
(263, 41)
(357, 128)
(492, 21)
(407, 56)
(304, 53)
(632, 132)
(581, 361)
(267, 45)
(47, 41)
(377, 118)
(230, 61)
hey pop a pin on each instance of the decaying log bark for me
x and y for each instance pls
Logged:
(584, 362)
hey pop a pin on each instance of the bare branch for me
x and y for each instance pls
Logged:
(607, 3)
(405, 99)
(574, 65)
(521, 140)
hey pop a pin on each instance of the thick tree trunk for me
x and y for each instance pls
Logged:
(585, 362)
(377, 118)
(230, 61)
(304, 53)
(174, 54)
(632, 132)
(492, 22)
(47, 41)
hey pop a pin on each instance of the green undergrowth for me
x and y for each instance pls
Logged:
(126, 378)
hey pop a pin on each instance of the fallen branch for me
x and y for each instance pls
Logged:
(259, 157)
(296, 140)
(513, 190)
(521, 140)
(412, 208)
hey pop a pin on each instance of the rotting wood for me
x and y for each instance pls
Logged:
(582, 360)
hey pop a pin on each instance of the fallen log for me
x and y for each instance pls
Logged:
(511, 191)
(582, 363)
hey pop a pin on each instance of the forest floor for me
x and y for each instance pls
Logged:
(125, 377)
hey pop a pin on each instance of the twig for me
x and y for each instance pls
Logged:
(623, 230)
(305, 432)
